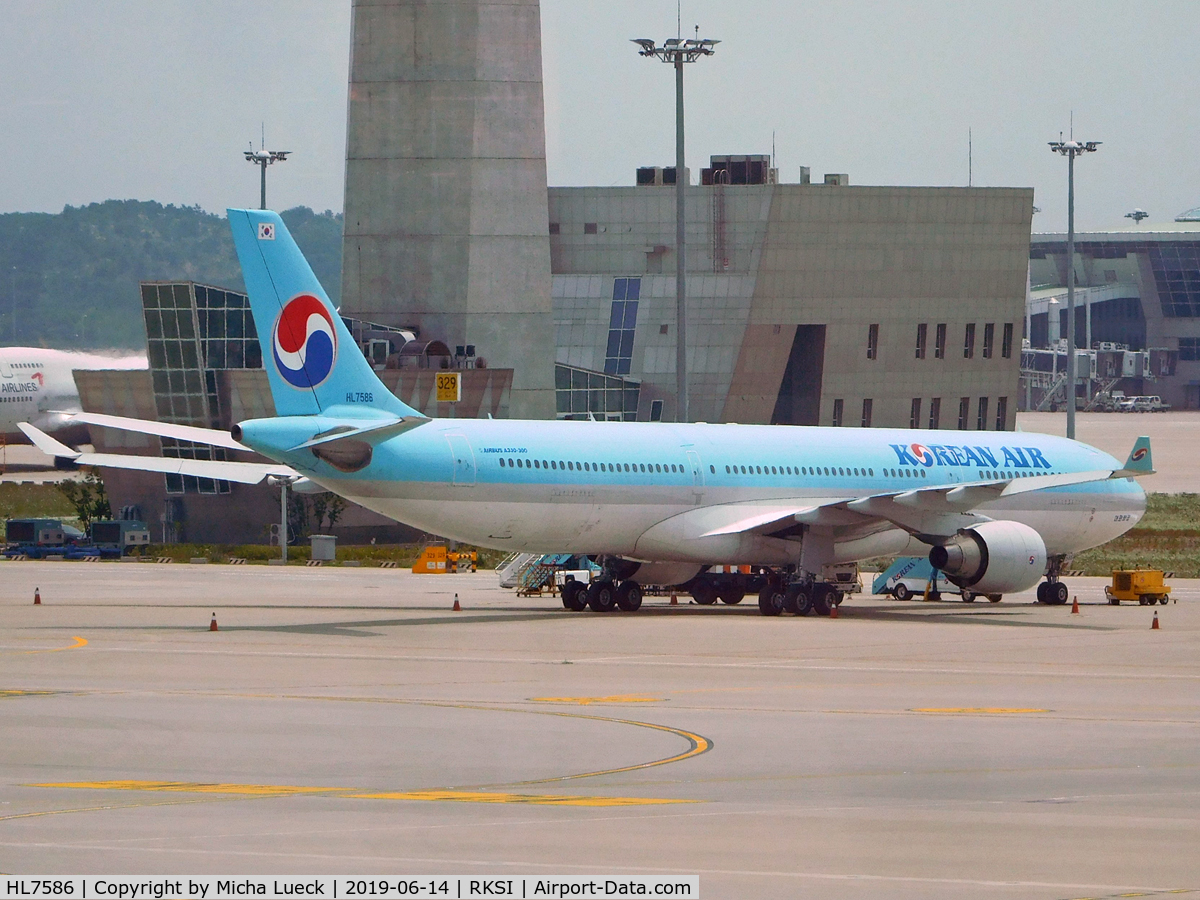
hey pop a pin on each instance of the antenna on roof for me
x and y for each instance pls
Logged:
(970, 160)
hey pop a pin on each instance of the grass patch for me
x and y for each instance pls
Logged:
(1167, 538)
(25, 501)
(369, 555)
(33, 501)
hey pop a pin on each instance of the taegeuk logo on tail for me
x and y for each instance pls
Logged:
(304, 342)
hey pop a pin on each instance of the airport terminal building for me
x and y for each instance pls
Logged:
(809, 304)
(1138, 288)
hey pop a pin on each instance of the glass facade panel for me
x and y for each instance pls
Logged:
(153, 324)
(580, 392)
(187, 329)
(193, 332)
(622, 321)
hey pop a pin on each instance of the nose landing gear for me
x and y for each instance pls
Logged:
(1053, 592)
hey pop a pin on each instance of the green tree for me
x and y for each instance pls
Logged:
(75, 274)
(88, 496)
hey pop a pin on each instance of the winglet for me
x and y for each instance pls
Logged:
(47, 444)
(1140, 461)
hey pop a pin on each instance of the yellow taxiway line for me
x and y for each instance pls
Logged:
(287, 790)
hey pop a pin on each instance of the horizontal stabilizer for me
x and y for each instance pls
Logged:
(375, 432)
(1140, 462)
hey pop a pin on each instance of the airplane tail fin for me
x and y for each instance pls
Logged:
(1140, 461)
(311, 359)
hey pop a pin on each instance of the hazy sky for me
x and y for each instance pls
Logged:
(155, 99)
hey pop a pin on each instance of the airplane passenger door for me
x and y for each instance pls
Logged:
(6, 369)
(464, 460)
(697, 476)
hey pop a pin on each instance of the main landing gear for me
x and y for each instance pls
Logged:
(602, 595)
(1053, 592)
(799, 598)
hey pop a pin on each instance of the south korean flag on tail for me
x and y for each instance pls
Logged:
(266, 231)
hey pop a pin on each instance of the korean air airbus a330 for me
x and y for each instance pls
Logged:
(653, 503)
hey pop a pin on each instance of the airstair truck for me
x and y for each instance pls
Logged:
(909, 576)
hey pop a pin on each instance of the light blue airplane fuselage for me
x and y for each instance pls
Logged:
(673, 494)
(601, 487)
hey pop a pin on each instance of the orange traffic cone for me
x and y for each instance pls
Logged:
(1154, 624)
(674, 599)
(457, 608)
(833, 613)
(212, 626)
(1075, 607)
(37, 597)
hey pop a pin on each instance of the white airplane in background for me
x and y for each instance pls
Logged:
(653, 503)
(37, 386)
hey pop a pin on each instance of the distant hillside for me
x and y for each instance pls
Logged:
(76, 273)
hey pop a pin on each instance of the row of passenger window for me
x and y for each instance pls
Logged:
(799, 470)
(672, 468)
(570, 466)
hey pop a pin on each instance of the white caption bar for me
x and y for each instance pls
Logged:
(415, 888)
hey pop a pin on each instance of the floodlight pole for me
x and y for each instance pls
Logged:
(262, 159)
(283, 481)
(1070, 149)
(677, 52)
(681, 363)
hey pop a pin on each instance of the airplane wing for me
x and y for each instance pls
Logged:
(242, 472)
(928, 513)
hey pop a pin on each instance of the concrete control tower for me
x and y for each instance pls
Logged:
(446, 206)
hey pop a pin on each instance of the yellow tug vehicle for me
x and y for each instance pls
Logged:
(1143, 585)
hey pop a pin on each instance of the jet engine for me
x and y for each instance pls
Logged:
(657, 572)
(995, 557)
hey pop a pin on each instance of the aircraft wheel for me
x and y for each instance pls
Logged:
(732, 598)
(629, 596)
(901, 592)
(771, 600)
(822, 599)
(1041, 592)
(574, 595)
(1057, 594)
(800, 600)
(704, 594)
(602, 596)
